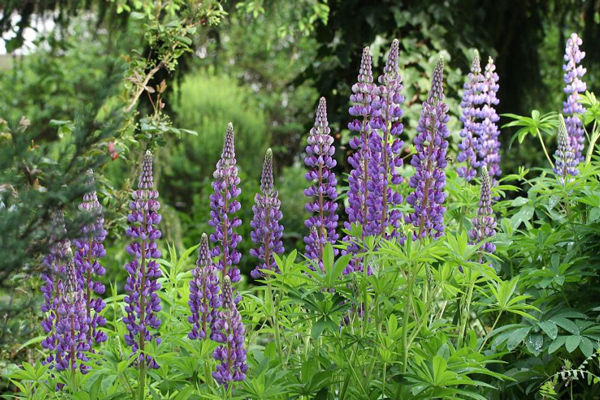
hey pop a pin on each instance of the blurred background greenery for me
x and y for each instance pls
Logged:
(264, 68)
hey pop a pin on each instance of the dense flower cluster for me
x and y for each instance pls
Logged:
(489, 145)
(54, 268)
(484, 223)
(204, 292)
(358, 180)
(89, 251)
(223, 206)
(142, 301)
(566, 163)
(385, 147)
(73, 323)
(429, 179)
(469, 119)
(229, 330)
(267, 232)
(322, 193)
(572, 109)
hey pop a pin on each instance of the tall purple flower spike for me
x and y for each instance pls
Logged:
(223, 206)
(566, 163)
(54, 268)
(572, 109)
(471, 126)
(322, 192)
(204, 292)
(267, 232)
(358, 180)
(385, 146)
(229, 331)
(484, 224)
(73, 323)
(89, 251)
(489, 146)
(429, 179)
(142, 301)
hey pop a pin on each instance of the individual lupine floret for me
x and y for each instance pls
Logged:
(484, 223)
(267, 232)
(572, 109)
(430, 162)
(142, 301)
(73, 323)
(488, 144)
(322, 192)
(204, 292)
(54, 268)
(385, 146)
(223, 206)
(229, 330)
(89, 251)
(471, 126)
(565, 163)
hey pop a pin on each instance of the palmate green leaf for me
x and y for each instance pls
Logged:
(572, 342)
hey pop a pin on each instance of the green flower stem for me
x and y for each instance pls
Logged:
(539, 135)
(592, 145)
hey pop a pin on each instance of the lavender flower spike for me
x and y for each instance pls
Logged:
(54, 268)
(142, 301)
(566, 163)
(73, 323)
(229, 331)
(469, 119)
(204, 292)
(429, 179)
(322, 192)
(267, 232)
(572, 109)
(488, 144)
(87, 261)
(484, 224)
(223, 206)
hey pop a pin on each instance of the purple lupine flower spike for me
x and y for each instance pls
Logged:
(230, 332)
(267, 232)
(204, 292)
(223, 206)
(572, 109)
(489, 145)
(484, 224)
(429, 179)
(87, 261)
(142, 301)
(73, 323)
(322, 193)
(566, 163)
(54, 268)
(471, 126)
(385, 146)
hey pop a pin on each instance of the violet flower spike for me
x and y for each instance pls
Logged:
(267, 232)
(566, 163)
(572, 109)
(484, 224)
(73, 323)
(230, 333)
(489, 145)
(54, 268)
(223, 206)
(142, 301)
(429, 180)
(322, 193)
(204, 292)
(89, 251)
(471, 125)
(385, 147)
